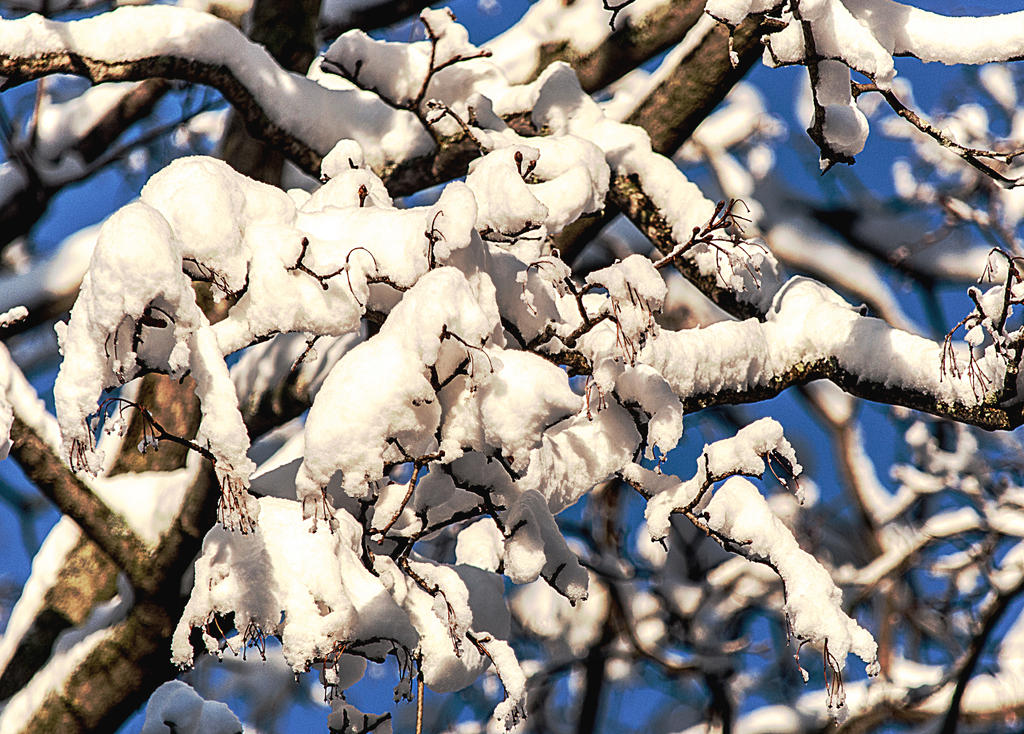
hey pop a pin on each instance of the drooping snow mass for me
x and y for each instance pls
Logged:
(333, 599)
(419, 606)
(176, 707)
(536, 546)
(813, 601)
(833, 37)
(524, 395)
(137, 311)
(844, 125)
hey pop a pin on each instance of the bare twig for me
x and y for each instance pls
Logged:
(973, 156)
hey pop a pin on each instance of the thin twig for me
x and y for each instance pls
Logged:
(972, 156)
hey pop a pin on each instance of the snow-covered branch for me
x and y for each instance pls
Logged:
(465, 382)
(295, 114)
(78, 501)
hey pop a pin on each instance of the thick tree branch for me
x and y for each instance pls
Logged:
(86, 578)
(989, 417)
(287, 30)
(270, 99)
(630, 44)
(370, 16)
(701, 80)
(116, 677)
(21, 70)
(73, 498)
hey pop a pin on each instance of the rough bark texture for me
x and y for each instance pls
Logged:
(629, 45)
(119, 675)
(699, 83)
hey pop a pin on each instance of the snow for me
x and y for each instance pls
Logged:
(209, 207)
(148, 501)
(263, 367)
(513, 708)
(398, 71)
(70, 649)
(439, 392)
(124, 294)
(645, 387)
(308, 111)
(535, 546)
(548, 22)
(503, 205)
(254, 576)
(12, 316)
(384, 383)
(845, 126)
(813, 601)
(176, 707)
(808, 322)
(577, 453)
(746, 453)
(481, 544)
(636, 291)
(867, 34)
(523, 396)
(734, 11)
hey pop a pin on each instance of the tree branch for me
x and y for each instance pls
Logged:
(207, 51)
(103, 526)
(630, 44)
(973, 156)
(988, 616)
(22, 207)
(626, 193)
(701, 80)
